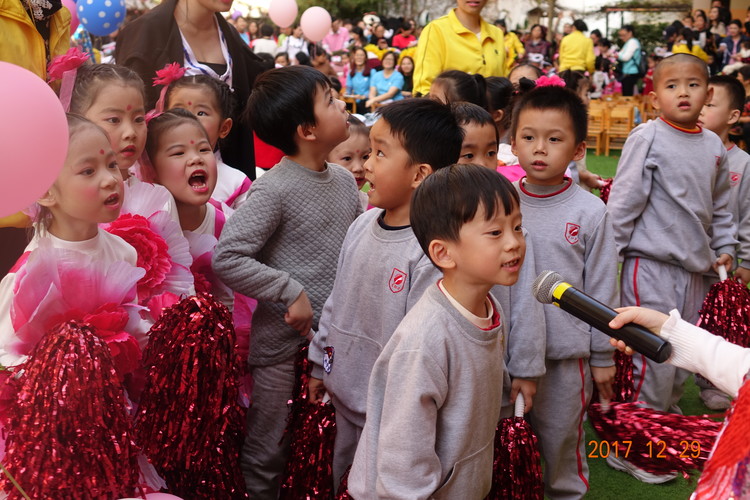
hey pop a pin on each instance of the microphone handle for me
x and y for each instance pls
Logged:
(598, 315)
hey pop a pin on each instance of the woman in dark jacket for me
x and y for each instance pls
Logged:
(194, 34)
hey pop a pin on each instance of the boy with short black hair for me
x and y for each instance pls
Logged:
(719, 115)
(281, 247)
(382, 271)
(669, 208)
(435, 391)
(480, 135)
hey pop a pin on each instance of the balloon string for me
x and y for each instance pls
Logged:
(13, 480)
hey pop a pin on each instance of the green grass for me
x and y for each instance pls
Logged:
(607, 483)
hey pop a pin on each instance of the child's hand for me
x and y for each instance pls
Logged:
(603, 377)
(723, 260)
(299, 315)
(525, 387)
(743, 275)
(315, 390)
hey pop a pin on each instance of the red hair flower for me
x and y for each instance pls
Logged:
(550, 81)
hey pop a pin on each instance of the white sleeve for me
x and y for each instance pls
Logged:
(693, 348)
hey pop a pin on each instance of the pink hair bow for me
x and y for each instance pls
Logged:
(165, 76)
(65, 67)
(550, 81)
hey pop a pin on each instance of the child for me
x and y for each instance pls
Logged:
(524, 71)
(684, 44)
(719, 115)
(210, 100)
(648, 78)
(669, 208)
(454, 86)
(382, 270)
(353, 153)
(87, 192)
(112, 97)
(571, 234)
(281, 247)
(499, 104)
(739, 59)
(480, 135)
(434, 397)
(600, 79)
(281, 60)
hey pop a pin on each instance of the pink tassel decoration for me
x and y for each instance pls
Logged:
(655, 441)
(517, 466)
(726, 473)
(309, 471)
(189, 422)
(69, 434)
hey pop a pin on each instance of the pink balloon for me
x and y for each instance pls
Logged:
(33, 142)
(283, 12)
(315, 23)
(71, 6)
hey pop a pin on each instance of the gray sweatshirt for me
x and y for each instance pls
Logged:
(285, 239)
(524, 317)
(572, 235)
(739, 200)
(670, 195)
(381, 275)
(432, 408)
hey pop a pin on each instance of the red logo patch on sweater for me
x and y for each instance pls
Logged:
(397, 281)
(571, 232)
(734, 178)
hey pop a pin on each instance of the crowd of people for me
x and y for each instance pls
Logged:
(395, 247)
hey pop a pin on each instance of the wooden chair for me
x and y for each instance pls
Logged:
(619, 125)
(350, 100)
(597, 119)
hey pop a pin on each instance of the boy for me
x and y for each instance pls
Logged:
(669, 209)
(480, 135)
(382, 270)
(435, 391)
(281, 248)
(572, 235)
(719, 115)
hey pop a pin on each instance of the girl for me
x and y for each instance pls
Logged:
(294, 43)
(113, 97)
(528, 71)
(210, 100)
(684, 44)
(454, 86)
(406, 68)
(182, 160)
(385, 85)
(68, 243)
(499, 104)
(358, 79)
(353, 153)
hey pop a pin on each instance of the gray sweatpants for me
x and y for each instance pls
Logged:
(263, 458)
(561, 400)
(345, 444)
(661, 286)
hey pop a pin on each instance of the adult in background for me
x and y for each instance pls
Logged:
(629, 58)
(405, 37)
(194, 34)
(461, 40)
(537, 42)
(577, 50)
(386, 85)
(337, 38)
(730, 45)
(514, 49)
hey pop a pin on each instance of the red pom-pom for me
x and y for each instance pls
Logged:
(605, 189)
(189, 421)
(69, 434)
(660, 442)
(309, 470)
(726, 312)
(623, 385)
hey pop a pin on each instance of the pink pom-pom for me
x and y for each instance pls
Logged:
(550, 81)
(168, 74)
(71, 60)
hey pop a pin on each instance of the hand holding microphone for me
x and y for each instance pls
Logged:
(549, 288)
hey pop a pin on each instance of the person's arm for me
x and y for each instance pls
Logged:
(590, 57)
(722, 230)
(397, 81)
(693, 348)
(430, 59)
(408, 466)
(630, 189)
(743, 230)
(627, 52)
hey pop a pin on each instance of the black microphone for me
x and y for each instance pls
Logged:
(549, 288)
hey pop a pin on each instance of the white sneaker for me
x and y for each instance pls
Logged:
(638, 473)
